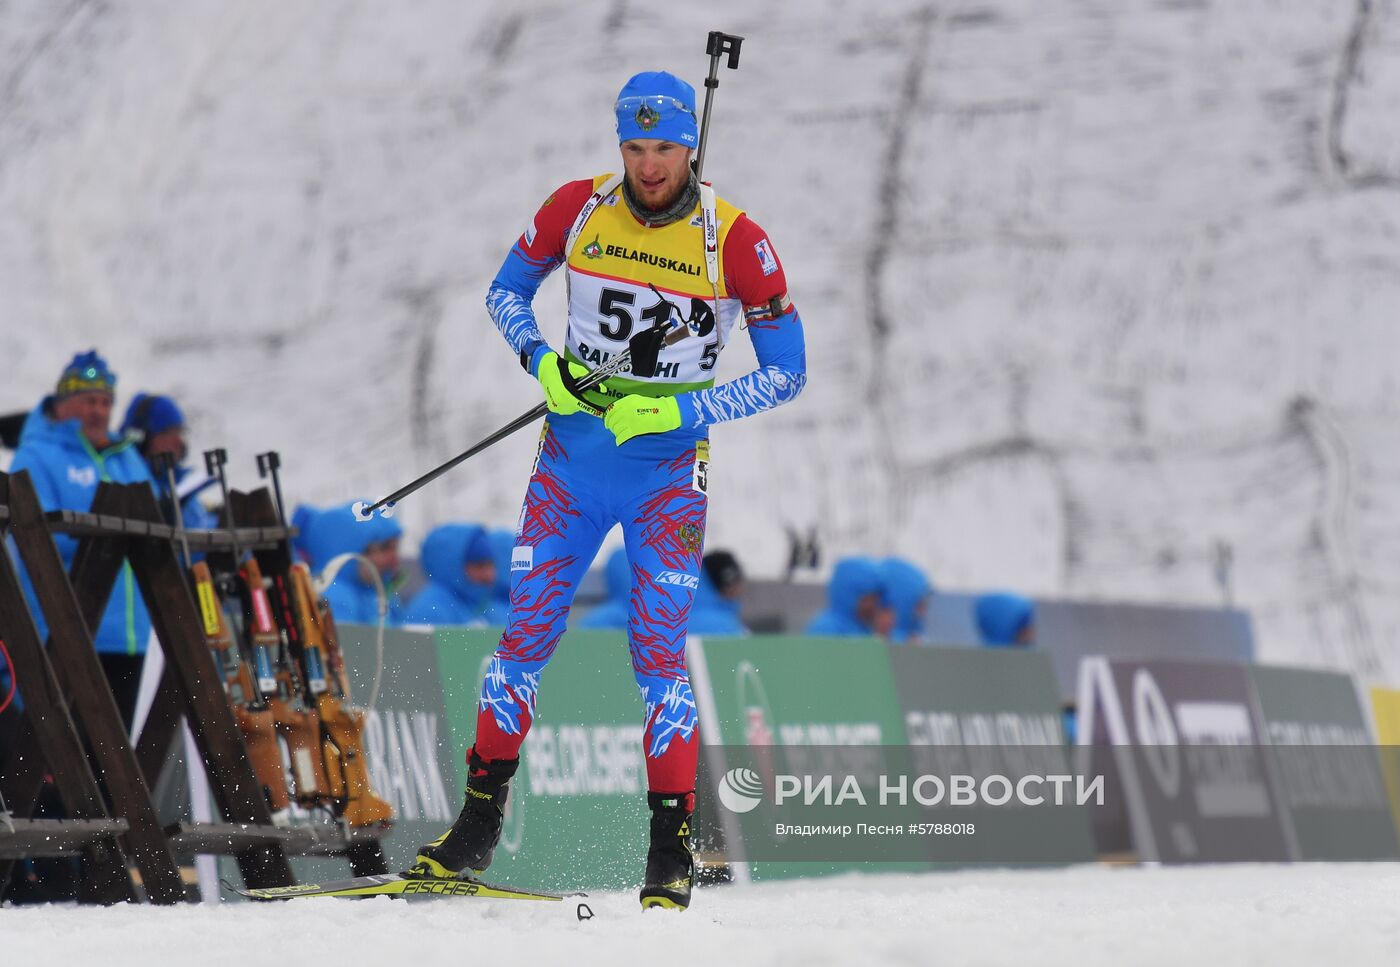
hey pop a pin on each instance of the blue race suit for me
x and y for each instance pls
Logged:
(654, 485)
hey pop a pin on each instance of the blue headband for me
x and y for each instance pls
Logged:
(656, 104)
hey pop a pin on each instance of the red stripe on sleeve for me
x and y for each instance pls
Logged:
(552, 222)
(753, 273)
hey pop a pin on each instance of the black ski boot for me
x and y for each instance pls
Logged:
(471, 842)
(670, 863)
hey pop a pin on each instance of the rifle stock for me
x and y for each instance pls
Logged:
(347, 769)
(349, 775)
(252, 714)
(302, 732)
(296, 723)
(260, 736)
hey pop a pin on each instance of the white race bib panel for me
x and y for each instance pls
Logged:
(612, 262)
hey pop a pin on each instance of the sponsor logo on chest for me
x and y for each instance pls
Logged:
(630, 254)
(83, 476)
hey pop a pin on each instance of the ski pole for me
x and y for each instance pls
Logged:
(717, 45)
(385, 505)
(665, 331)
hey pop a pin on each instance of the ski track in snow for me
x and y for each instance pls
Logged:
(1278, 916)
(1089, 288)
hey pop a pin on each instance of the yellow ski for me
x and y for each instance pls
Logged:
(397, 884)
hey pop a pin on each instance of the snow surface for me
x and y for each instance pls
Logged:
(1278, 916)
(1090, 288)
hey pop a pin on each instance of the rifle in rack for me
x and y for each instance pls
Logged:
(296, 722)
(322, 680)
(346, 765)
(277, 676)
(245, 660)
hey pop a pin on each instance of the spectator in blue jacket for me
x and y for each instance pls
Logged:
(302, 515)
(352, 595)
(156, 425)
(1005, 619)
(715, 610)
(67, 447)
(502, 547)
(612, 612)
(909, 591)
(461, 570)
(857, 601)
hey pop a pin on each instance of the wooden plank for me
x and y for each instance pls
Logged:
(80, 674)
(228, 839)
(97, 564)
(76, 523)
(24, 838)
(48, 736)
(175, 616)
(162, 725)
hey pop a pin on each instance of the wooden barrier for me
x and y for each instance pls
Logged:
(66, 698)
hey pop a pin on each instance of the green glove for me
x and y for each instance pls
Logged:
(561, 392)
(634, 415)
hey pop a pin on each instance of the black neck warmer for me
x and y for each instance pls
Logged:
(683, 205)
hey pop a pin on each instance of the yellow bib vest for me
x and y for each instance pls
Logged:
(613, 264)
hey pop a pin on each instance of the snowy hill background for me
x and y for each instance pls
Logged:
(1091, 289)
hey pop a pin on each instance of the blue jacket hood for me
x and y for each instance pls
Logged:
(446, 549)
(906, 586)
(302, 516)
(853, 579)
(335, 531)
(1001, 616)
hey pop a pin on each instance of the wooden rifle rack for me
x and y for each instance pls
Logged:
(63, 689)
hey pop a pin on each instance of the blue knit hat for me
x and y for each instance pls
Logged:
(148, 415)
(656, 104)
(85, 373)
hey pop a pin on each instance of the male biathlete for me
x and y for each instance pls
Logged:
(636, 453)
